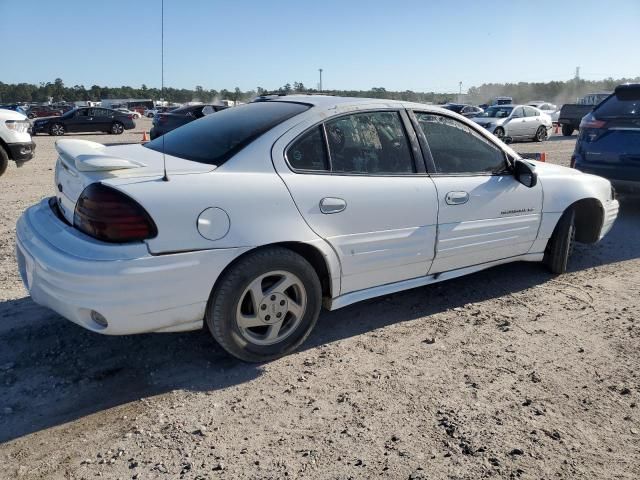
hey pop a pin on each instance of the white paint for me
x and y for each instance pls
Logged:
(396, 232)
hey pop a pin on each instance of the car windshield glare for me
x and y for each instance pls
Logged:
(214, 139)
(497, 112)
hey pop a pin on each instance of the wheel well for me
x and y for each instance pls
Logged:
(4, 146)
(588, 219)
(308, 252)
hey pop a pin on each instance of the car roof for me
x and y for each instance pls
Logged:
(329, 101)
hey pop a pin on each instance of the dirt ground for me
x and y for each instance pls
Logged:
(507, 373)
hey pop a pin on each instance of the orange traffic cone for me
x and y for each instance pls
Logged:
(145, 138)
(557, 129)
(543, 157)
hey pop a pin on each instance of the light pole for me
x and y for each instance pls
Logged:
(460, 93)
(320, 84)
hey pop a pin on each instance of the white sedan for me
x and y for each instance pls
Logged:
(256, 217)
(133, 113)
(516, 122)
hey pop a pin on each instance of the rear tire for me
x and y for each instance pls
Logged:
(117, 128)
(567, 130)
(264, 286)
(4, 161)
(541, 134)
(560, 246)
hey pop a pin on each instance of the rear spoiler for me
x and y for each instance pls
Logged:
(92, 157)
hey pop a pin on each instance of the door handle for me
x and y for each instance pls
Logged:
(332, 205)
(456, 198)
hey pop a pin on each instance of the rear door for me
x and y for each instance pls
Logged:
(359, 181)
(102, 119)
(532, 121)
(485, 214)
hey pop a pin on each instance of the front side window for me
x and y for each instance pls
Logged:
(369, 143)
(458, 149)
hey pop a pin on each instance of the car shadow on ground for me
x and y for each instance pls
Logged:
(53, 371)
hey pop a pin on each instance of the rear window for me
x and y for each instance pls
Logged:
(215, 138)
(617, 107)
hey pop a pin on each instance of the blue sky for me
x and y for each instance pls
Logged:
(415, 45)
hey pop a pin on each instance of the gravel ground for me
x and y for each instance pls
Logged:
(507, 373)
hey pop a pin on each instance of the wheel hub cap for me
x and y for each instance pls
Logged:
(273, 308)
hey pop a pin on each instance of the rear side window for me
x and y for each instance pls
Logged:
(530, 112)
(308, 152)
(369, 143)
(616, 107)
(214, 139)
(458, 149)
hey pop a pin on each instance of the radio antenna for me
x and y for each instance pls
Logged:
(165, 178)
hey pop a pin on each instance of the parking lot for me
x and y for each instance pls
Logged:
(509, 372)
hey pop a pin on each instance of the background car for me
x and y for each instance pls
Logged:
(546, 107)
(165, 122)
(468, 111)
(15, 107)
(38, 111)
(134, 114)
(92, 119)
(515, 122)
(154, 111)
(609, 140)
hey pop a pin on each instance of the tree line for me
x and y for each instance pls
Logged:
(555, 91)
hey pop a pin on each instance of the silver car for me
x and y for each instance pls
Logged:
(515, 122)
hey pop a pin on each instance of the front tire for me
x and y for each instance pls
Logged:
(57, 130)
(499, 132)
(567, 130)
(117, 128)
(4, 161)
(560, 246)
(541, 134)
(265, 305)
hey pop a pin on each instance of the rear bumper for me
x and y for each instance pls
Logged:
(135, 291)
(21, 152)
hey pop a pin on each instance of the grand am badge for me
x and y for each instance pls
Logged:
(520, 210)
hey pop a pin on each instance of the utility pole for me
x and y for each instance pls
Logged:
(460, 93)
(577, 73)
(320, 84)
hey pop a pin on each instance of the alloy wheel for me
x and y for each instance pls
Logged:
(271, 307)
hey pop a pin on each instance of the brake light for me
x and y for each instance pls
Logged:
(592, 122)
(111, 216)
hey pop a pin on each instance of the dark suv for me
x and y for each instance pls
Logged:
(609, 140)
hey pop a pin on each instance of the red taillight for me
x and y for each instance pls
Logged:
(111, 216)
(592, 123)
(130, 116)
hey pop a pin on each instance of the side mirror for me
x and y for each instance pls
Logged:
(525, 174)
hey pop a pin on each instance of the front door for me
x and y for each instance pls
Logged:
(484, 213)
(78, 122)
(356, 182)
(516, 127)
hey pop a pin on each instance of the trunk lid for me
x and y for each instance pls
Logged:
(82, 162)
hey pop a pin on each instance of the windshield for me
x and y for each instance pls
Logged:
(216, 138)
(497, 112)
